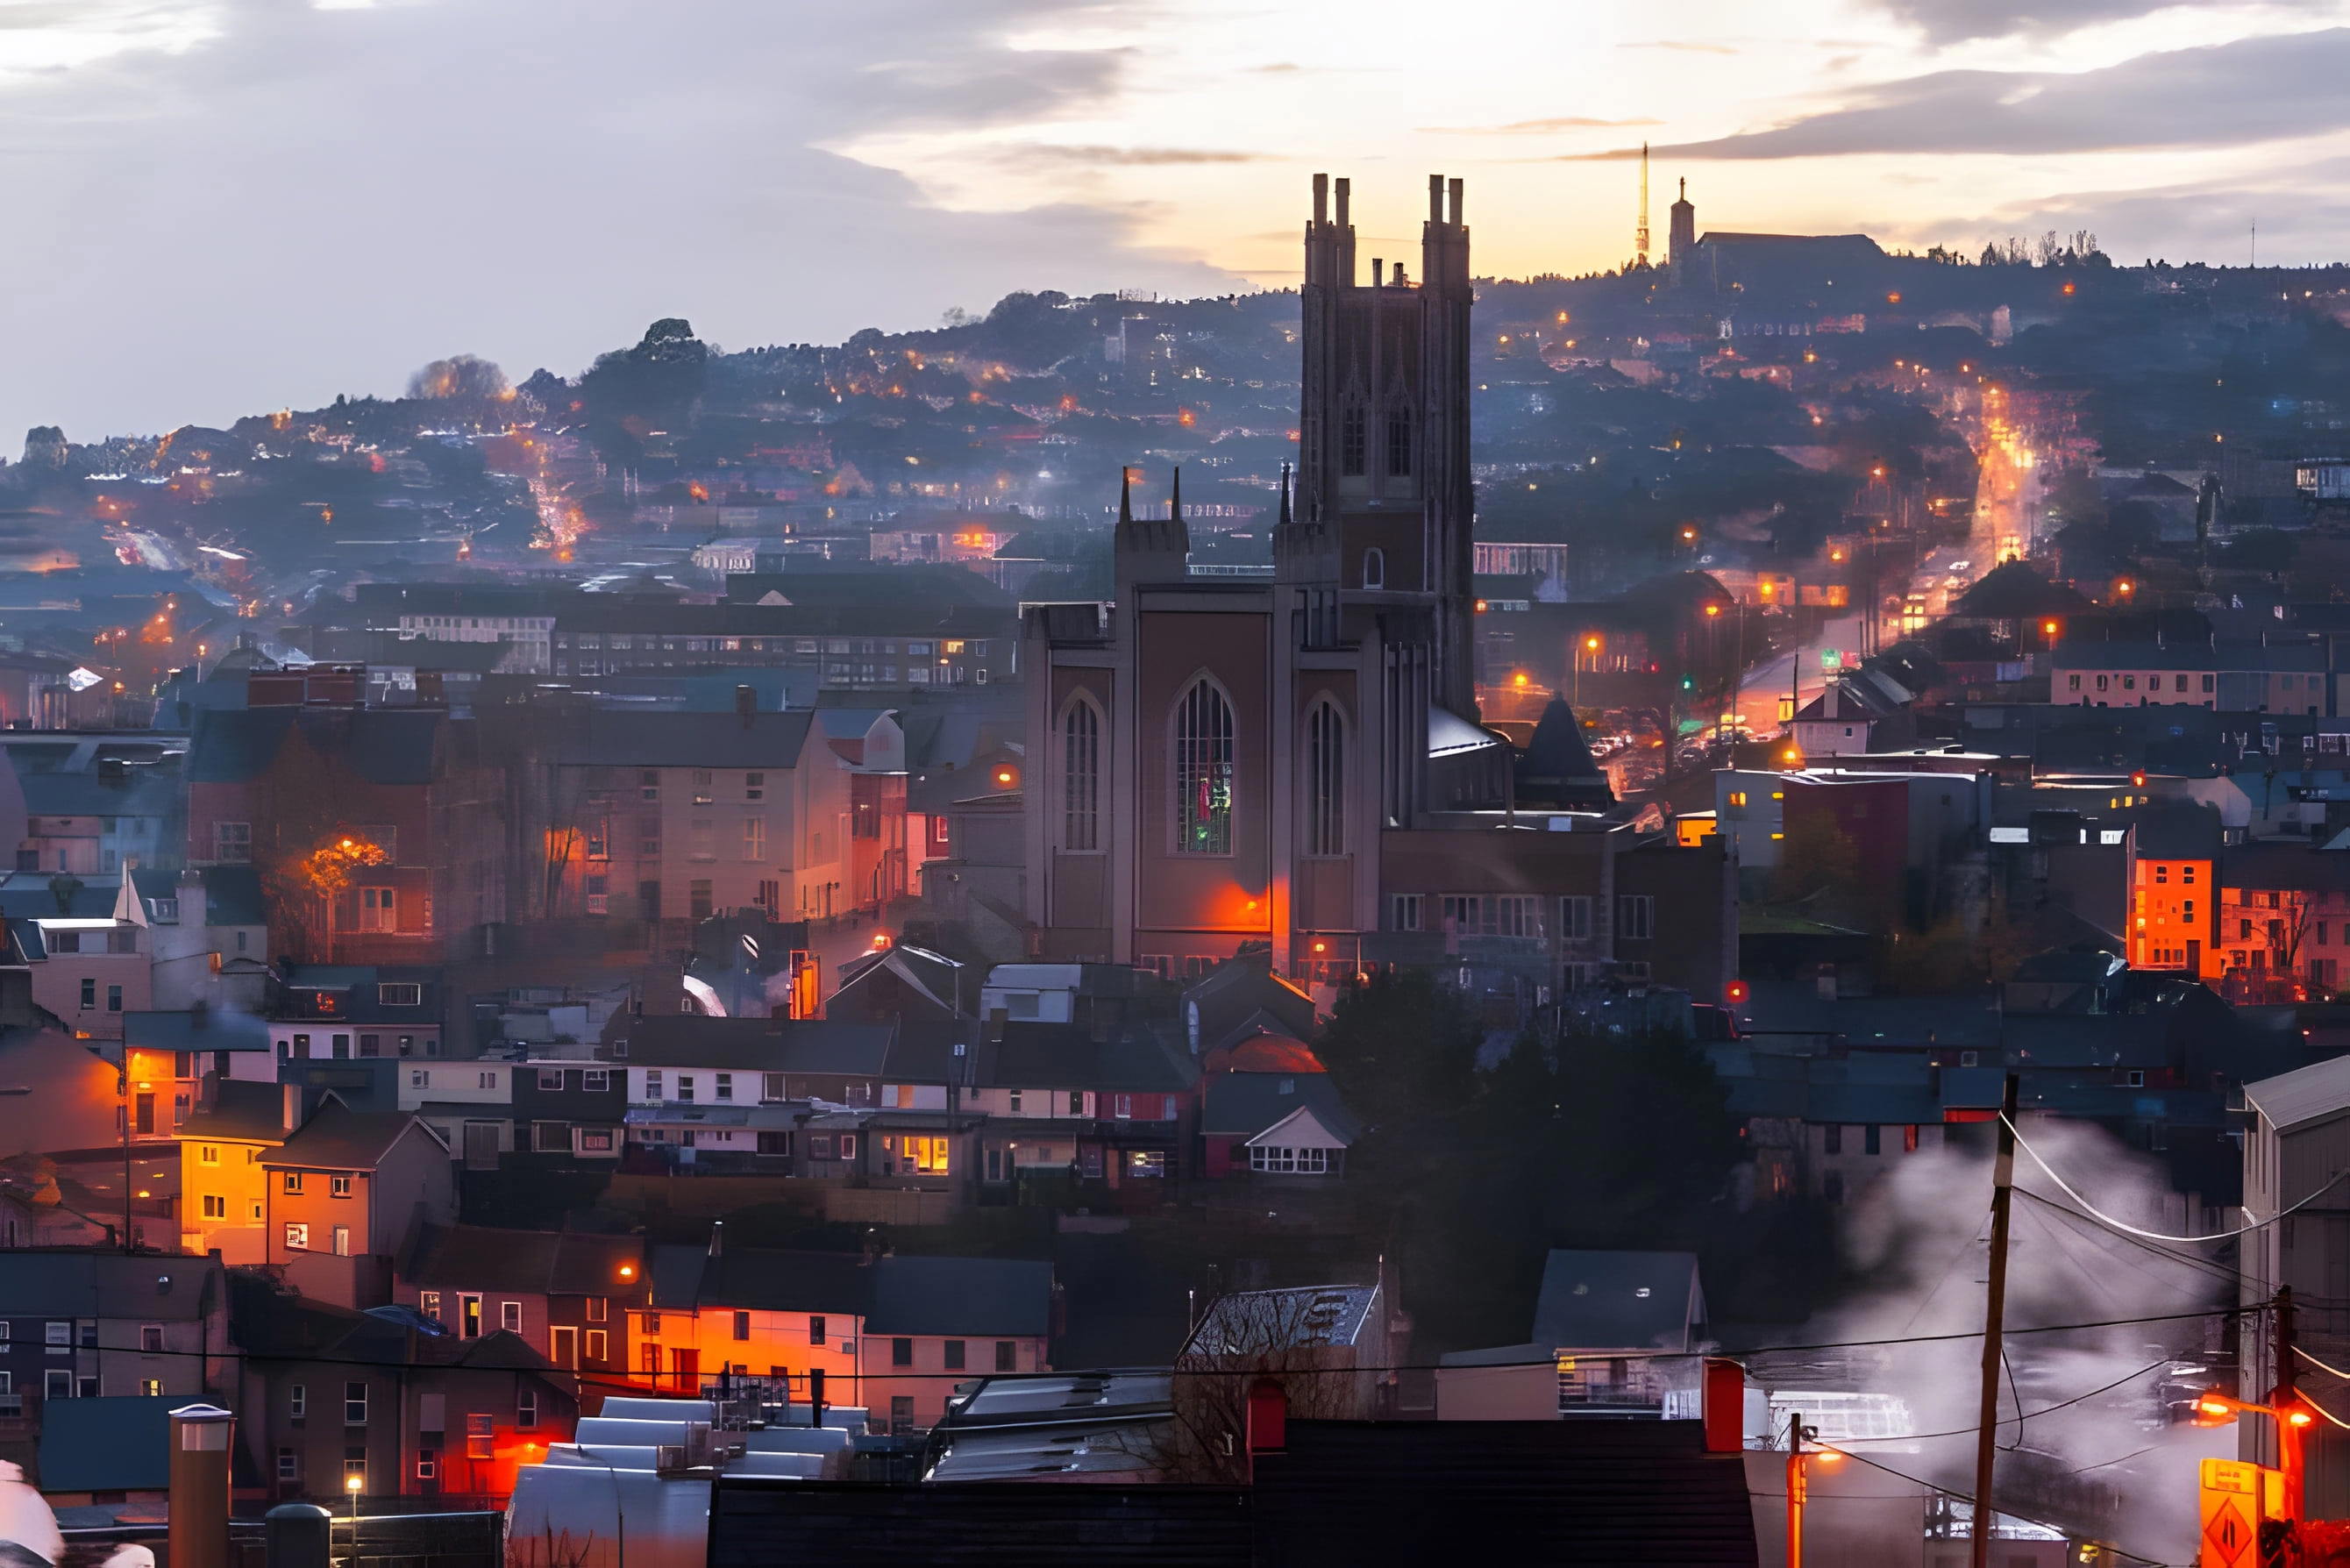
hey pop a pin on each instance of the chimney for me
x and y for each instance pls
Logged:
(289, 1107)
(1379, 272)
(1321, 198)
(1453, 191)
(1436, 198)
(718, 1238)
(746, 704)
(195, 905)
(1342, 219)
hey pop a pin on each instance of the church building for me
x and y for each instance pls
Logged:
(1296, 759)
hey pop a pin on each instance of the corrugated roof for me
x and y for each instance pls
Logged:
(1252, 1323)
(2303, 1094)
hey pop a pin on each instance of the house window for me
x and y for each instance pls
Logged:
(598, 1344)
(954, 1348)
(742, 1325)
(1403, 912)
(550, 1078)
(233, 842)
(652, 1083)
(595, 1081)
(510, 1316)
(685, 1089)
(297, 1401)
(526, 1409)
(1574, 917)
(1375, 569)
(919, 1155)
(1831, 1137)
(355, 1404)
(1871, 1139)
(400, 994)
(725, 1090)
(429, 1304)
(480, 1438)
(338, 1186)
(902, 1352)
(428, 1464)
(755, 787)
(289, 1465)
(151, 1338)
(1399, 444)
(1081, 777)
(772, 1087)
(88, 993)
(378, 909)
(1635, 917)
(469, 1316)
(57, 1384)
(1325, 762)
(1204, 770)
(297, 1238)
(754, 838)
(1007, 1355)
(215, 1206)
(816, 1331)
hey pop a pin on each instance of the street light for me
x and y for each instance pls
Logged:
(354, 1485)
(1797, 1487)
(2214, 1407)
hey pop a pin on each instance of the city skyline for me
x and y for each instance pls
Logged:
(315, 199)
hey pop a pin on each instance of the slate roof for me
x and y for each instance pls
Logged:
(339, 1138)
(1249, 1323)
(762, 1279)
(2014, 590)
(215, 1029)
(1618, 1301)
(2177, 831)
(480, 1257)
(240, 1109)
(2284, 867)
(1135, 1058)
(606, 737)
(1244, 1103)
(149, 791)
(382, 745)
(961, 1295)
(756, 1044)
(232, 893)
(75, 1283)
(119, 1442)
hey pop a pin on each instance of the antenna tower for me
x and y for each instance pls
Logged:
(1640, 234)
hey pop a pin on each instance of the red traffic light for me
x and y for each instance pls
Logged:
(2138, 781)
(1736, 991)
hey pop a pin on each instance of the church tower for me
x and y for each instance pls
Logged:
(1682, 241)
(1384, 496)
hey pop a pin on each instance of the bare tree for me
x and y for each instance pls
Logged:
(1285, 1338)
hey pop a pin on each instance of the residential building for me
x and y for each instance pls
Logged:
(1286, 1128)
(208, 934)
(2265, 677)
(931, 1318)
(690, 1059)
(111, 1452)
(86, 1325)
(565, 1295)
(564, 1111)
(110, 811)
(223, 1187)
(2173, 857)
(347, 1011)
(344, 1190)
(328, 1396)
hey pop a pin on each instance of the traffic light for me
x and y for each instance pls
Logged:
(1689, 683)
(1735, 993)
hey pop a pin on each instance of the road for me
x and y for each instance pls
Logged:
(1766, 685)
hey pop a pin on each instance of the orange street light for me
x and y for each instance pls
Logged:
(1714, 610)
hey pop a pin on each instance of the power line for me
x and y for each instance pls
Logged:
(2157, 1235)
(2022, 1414)
(1968, 1499)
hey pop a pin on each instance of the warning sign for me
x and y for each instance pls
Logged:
(2232, 1498)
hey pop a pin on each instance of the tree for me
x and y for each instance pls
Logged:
(1244, 1340)
(1399, 1048)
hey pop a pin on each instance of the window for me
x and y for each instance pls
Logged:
(725, 1090)
(685, 1089)
(469, 1316)
(355, 1404)
(1076, 1102)
(233, 842)
(1574, 917)
(1081, 776)
(816, 1331)
(88, 993)
(1399, 444)
(954, 1354)
(59, 1337)
(57, 1384)
(1007, 1355)
(902, 1352)
(651, 1323)
(400, 994)
(510, 1316)
(289, 1465)
(1354, 438)
(919, 1155)
(339, 1240)
(755, 787)
(1275, 1160)
(595, 1081)
(151, 1338)
(215, 1206)
(901, 1415)
(1403, 912)
(378, 909)
(1325, 763)
(338, 1186)
(1872, 1140)
(1635, 917)
(526, 1409)
(2072, 683)
(702, 786)
(1831, 1137)
(598, 1344)
(429, 1304)
(848, 1146)
(297, 1238)
(1204, 770)
(480, 1438)
(754, 838)
(428, 1464)
(297, 1401)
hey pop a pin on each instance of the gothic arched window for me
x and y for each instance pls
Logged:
(1375, 569)
(1326, 780)
(1203, 770)
(1354, 438)
(1399, 443)
(1081, 775)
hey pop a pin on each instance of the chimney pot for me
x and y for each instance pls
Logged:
(1379, 272)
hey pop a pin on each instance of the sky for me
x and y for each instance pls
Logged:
(209, 208)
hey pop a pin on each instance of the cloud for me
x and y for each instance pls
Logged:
(1956, 21)
(1121, 157)
(1682, 45)
(1532, 127)
(2249, 90)
(319, 200)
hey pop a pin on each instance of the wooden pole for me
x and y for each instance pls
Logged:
(2002, 1189)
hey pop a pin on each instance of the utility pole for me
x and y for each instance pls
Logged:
(2002, 1189)
(2285, 1398)
(1795, 1490)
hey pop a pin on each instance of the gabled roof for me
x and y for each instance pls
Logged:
(338, 1138)
(2304, 1095)
(754, 1045)
(382, 745)
(761, 1280)
(479, 1257)
(961, 1295)
(605, 737)
(242, 1110)
(1242, 1105)
(1302, 1128)
(71, 1282)
(1619, 1300)
(2177, 830)
(1134, 1058)
(217, 1029)
(1250, 1323)
(232, 893)
(2014, 590)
